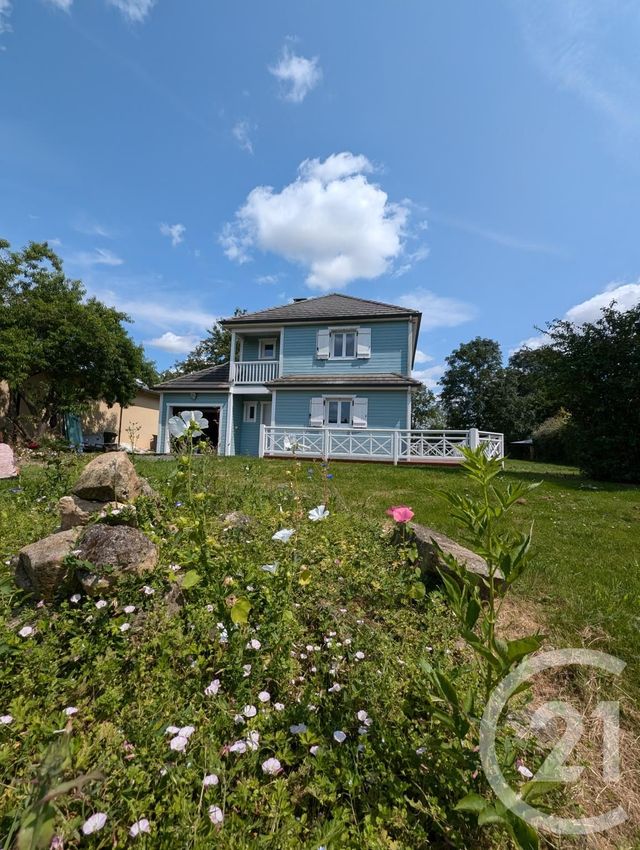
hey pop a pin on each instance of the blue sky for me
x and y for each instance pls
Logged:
(478, 160)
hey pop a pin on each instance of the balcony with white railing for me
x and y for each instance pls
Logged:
(254, 371)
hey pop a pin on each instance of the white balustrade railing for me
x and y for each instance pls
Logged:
(386, 444)
(254, 371)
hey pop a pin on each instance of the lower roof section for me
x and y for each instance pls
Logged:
(369, 381)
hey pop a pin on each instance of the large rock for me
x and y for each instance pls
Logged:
(40, 566)
(7, 463)
(114, 551)
(110, 477)
(431, 559)
(75, 511)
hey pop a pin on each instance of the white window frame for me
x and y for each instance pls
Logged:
(338, 398)
(333, 333)
(246, 411)
(268, 340)
(263, 407)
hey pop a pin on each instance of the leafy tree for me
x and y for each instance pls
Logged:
(598, 372)
(535, 372)
(213, 350)
(467, 384)
(426, 410)
(59, 351)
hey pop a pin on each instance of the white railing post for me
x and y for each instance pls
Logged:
(473, 438)
(325, 444)
(262, 439)
(396, 447)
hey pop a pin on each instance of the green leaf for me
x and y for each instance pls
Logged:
(536, 789)
(417, 591)
(471, 803)
(524, 834)
(240, 611)
(518, 649)
(305, 577)
(489, 815)
(190, 579)
(472, 613)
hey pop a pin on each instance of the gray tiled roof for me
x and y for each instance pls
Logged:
(371, 379)
(213, 377)
(332, 306)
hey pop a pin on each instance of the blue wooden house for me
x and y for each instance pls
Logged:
(325, 377)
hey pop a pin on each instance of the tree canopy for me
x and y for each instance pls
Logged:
(58, 349)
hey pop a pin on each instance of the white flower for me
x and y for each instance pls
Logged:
(363, 717)
(94, 823)
(253, 740)
(270, 568)
(254, 644)
(75, 598)
(271, 767)
(290, 445)
(239, 720)
(189, 420)
(359, 655)
(264, 696)
(125, 627)
(187, 731)
(339, 736)
(171, 730)
(212, 689)
(314, 750)
(70, 710)
(318, 513)
(238, 747)
(249, 711)
(246, 670)
(297, 729)
(335, 688)
(279, 706)
(101, 603)
(224, 637)
(216, 815)
(148, 591)
(6, 719)
(129, 609)
(210, 779)
(284, 535)
(179, 743)
(26, 631)
(523, 770)
(139, 826)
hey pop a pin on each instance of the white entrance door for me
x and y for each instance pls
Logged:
(265, 413)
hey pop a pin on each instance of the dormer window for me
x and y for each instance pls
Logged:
(268, 349)
(343, 345)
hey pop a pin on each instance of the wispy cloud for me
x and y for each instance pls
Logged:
(175, 343)
(241, 132)
(165, 315)
(5, 16)
(133, 10)
(430, 377)
(579, 45)
(175, 232)
(437, 310)
(63, 5)
(505, 239)
(97, 257)
(297, 74)
(90, 227)
(268, 279)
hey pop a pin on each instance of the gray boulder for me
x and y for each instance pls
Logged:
(114, 551)
(40, 566)
(110, 477)
(431, 560)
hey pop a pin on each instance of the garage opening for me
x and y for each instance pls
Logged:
(212, 414)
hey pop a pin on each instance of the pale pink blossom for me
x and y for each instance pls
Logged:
(339, 736)
(179, 743)
(70, 710)
(101, 603)
(26, 631)
(212, 689)
(139, 826)
(264, 696)
(216, 815)
(94, 823)
(271, 767)
(6, 719)
(210, 780)
(400, 513)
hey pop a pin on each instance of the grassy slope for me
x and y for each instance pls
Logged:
(586, 571)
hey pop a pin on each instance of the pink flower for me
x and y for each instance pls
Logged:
(400, 513)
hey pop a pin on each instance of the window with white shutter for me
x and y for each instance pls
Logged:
(360, 412)
(323, 338)
(316, 412)
(364, 342)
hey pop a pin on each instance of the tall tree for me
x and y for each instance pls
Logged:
(213, 350)
(59, 351)
(598, 371)
(472, 369)
(426, 410)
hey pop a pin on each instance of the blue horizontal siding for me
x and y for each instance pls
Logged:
(184, 400)
(247, 434)
(251, 346)
(387, 408)
(389, 350)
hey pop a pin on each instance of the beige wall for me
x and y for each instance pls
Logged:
(142, 411)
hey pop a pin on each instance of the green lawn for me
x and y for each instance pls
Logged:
(586, 571)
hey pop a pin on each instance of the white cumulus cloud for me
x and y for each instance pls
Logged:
(430, 377)
(297, 74)
(437, 311)
(175, 343)
(175, 232)
(422, 357)
(331, 220)
(133, 10)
